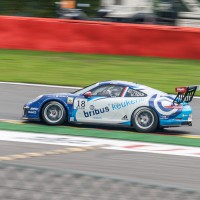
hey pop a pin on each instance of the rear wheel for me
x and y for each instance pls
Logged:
(53, 113)
(145, 120)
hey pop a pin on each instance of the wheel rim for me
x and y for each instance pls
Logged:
(144, 119)
(53, 113)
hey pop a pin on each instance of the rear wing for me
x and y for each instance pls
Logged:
(185, 94)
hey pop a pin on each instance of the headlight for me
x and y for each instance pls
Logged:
(36, 99)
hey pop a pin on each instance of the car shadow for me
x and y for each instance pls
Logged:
(171, 131)
(163, 131)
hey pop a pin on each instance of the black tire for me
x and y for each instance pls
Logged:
(145, 120)
(54, 113)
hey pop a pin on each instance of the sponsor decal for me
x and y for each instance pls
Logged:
(60, 96)
(125, 117)
(92, 107)
(164, 105)
(164, 117)
(181, 89)
(32, 112)
(97, 117)
(34, 109)
(126, 103)
(80, 104)
(96, 112)
(70, 100)
(71, 119)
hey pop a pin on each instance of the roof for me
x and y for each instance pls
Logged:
(146, 89)
(124, 83)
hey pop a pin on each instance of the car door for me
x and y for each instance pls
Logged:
(100, 107)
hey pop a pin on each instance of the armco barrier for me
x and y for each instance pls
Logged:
(22, 183)
(99, 37)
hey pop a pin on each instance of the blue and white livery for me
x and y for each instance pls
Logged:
(115, 102)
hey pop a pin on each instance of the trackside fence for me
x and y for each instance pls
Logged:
(30, 183)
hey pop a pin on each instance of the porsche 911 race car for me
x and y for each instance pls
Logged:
(115, 102)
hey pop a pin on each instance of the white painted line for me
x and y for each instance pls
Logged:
(56, 139)
(40, 85)
(130, 146)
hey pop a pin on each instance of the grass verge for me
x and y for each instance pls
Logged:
(101, 133)
(81, 70)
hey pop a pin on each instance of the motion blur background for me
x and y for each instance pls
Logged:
(18, 180)
(170, 12)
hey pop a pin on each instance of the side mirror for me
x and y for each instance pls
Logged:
(88, 94)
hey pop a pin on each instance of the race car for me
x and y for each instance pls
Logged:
(115, 102)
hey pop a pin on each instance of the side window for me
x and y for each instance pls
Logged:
(134, 93)
(108, 91)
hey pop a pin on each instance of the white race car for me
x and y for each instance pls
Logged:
(115, 102)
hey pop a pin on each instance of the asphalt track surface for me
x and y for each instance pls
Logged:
(151, 168)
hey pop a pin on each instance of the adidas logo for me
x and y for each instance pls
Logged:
(125, 117)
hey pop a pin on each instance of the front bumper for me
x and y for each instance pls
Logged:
(30, 113)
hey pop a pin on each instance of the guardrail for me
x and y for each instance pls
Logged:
(25, 182)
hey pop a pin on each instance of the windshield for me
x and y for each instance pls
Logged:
(86, 89)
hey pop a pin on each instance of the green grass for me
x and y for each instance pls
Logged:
(81, 70)
(102, 133)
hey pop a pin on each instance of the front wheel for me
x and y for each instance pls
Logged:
(145, 120)
(53, 113)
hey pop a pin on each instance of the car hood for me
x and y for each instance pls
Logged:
(58, 95)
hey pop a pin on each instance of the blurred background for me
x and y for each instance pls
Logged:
(167, 12)
(98, 174)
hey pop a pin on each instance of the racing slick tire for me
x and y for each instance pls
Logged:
(54, 113)
(145, 120)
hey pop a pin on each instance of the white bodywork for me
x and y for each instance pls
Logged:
(113, 102)
(116, 110)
